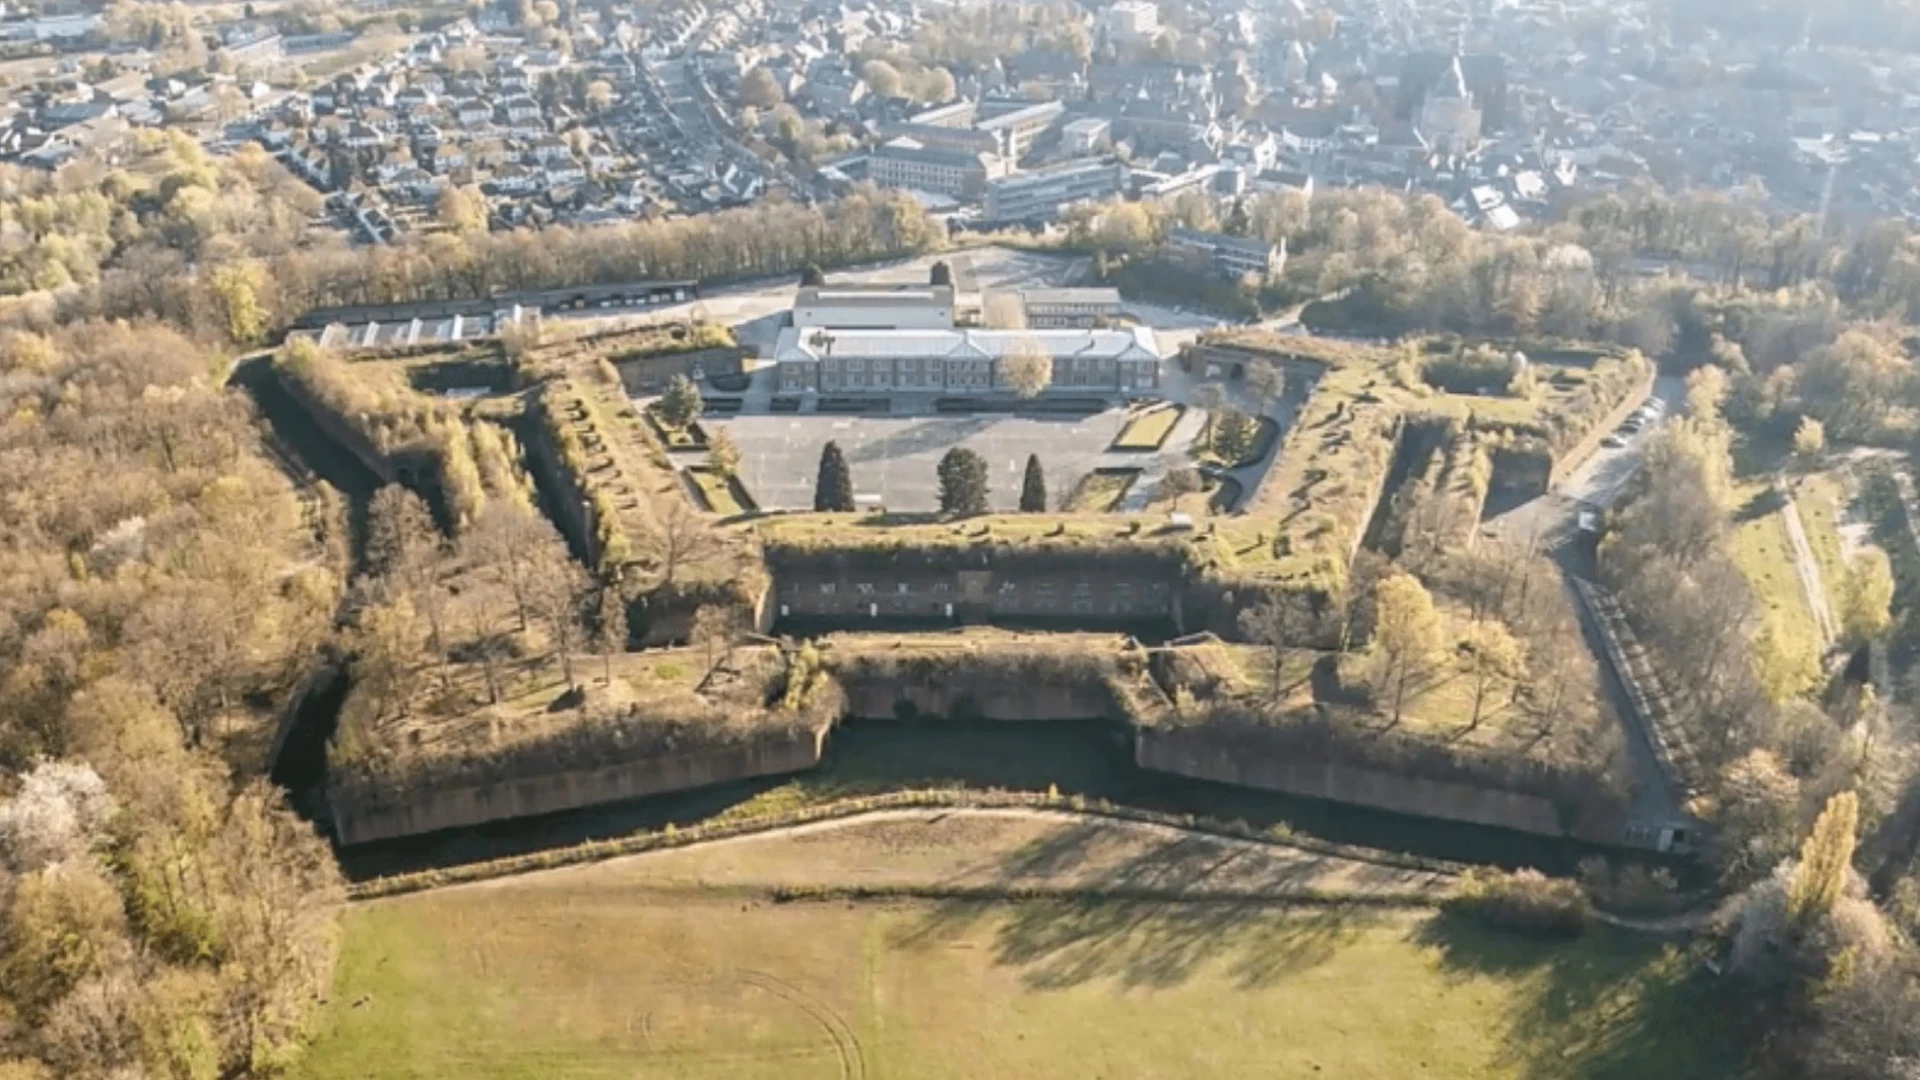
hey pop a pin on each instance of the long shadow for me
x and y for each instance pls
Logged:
(921, 437)
(1609, 1006)
(1121, 927)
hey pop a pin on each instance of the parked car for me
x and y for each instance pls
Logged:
(1613, 441)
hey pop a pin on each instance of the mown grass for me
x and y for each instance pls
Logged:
(587, 974)
(1760, 549)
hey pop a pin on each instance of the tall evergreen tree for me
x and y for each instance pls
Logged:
(963, 482)
(834, 489)
(1033, 489)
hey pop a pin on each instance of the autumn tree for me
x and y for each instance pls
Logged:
(1232, 436)
(1809, 442)
(833, 489)
(1406, 634)
(1027, 367)
(1867, 601)
(882, 78)
(723, 454)
(462, 209)
(758, 89)
(963, 482)
(1492, 660)
(1033, 487)
(237, 292)
(1825, 860)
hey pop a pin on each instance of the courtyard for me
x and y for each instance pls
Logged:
(893, 458)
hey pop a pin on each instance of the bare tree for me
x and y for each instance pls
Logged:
(680, 538)
(504, 541)
(1281, 622)
(609, 621)
(714, 627)
(555, 590)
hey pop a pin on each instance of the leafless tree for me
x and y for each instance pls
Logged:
(679, 538)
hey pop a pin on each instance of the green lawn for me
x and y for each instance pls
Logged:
(716, 490)
(1822, 499)
(1149, 429)
(1761, 550)
(590, 973)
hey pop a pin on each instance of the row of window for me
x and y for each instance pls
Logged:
(1042, 589)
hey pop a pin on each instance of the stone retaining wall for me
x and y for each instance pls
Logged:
(430, 811)
(1199, 758)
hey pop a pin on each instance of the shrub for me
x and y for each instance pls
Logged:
(1523, 900)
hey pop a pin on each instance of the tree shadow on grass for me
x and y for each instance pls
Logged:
(1608, 1006)
(1128, 919)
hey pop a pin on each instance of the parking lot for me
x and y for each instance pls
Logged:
(893, 458)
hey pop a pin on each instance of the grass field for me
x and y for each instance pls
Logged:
(679, 966)
(1149, 429)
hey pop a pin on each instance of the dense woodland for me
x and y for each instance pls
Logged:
(162, 588)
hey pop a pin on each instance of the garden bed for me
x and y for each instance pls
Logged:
(1266, 432)
(1101, 490)
(691, 437)
(718, 494)
(1148, 430)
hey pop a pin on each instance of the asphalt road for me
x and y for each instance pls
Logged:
(1596, 484)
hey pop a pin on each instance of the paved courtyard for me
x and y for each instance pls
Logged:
(893, 458)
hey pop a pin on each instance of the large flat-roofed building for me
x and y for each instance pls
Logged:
(1018, 126)
(1042, 195)
(1056, 308)
(1229, 256)
(873, 307)
(961, 361)
(936, 137)
(904, 163)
